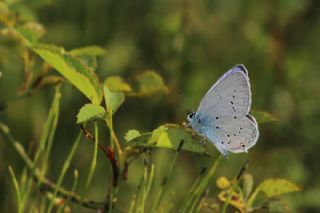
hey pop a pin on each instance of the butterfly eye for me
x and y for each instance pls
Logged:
(191, 115)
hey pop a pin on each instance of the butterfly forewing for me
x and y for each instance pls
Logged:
(229, 95)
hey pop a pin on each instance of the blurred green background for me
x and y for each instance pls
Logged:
(191, 44)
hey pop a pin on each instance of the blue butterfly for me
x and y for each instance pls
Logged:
(223, 115)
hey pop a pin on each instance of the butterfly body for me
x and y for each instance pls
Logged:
(223, 114)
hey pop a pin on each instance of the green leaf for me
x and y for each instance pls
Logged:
(247, 185)
(88, 55)
(169, 136)
(262, 116)
(113, 100)
(275, 187)
(88, 51)
(150, 83)
(90, 112)
(116, 83)
(73, 70)
(132, 134)
(32, 32)
(276, 205)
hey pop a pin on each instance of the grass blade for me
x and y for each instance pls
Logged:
(65, 167)
(17, 189)
(95, 154)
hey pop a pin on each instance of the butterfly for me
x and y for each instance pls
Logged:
(223, 114)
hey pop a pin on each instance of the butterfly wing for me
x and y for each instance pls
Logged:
(233, 133)
(229, 95)
(225, 110)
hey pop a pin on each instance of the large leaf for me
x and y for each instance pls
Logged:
(263, 116)
(272, 188)
(113, 99)
(73, 70)
(90, 112)
(169, 136)
(275, 187)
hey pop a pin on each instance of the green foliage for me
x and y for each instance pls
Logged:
(166, 136)
(113, 100)
(150, 83)
(90, 112)
(275, 187)
(240, 195)
(73, 70)
(67, 174)
(116, 83)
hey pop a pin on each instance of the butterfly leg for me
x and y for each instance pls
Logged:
(203, 141)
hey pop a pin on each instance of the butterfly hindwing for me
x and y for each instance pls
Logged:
(233, 133)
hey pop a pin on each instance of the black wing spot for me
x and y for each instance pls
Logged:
(217, 118)
(217, 127)
(222, 142)
(199, 121)
(241, 128)
(228, 135)
(243, 145)
(239, 132)
(234, 135)
(231, 102)
(229, 142)
(234, 90)
(235, 117)
(233, 96)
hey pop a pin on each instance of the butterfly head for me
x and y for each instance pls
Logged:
(190, 116)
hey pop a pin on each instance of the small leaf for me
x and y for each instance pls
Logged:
(116, 83)
(247, 185)
(274, 187)
(113, 100)
(276, 205)
(31, 31)
(132, 134)
(73, 70)
(88, 51)
(150, 83)
(90, 112)
(262, 116)
(88, 55)
(169, 136)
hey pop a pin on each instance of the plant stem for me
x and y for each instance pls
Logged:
(43, 181)
(164, 185)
